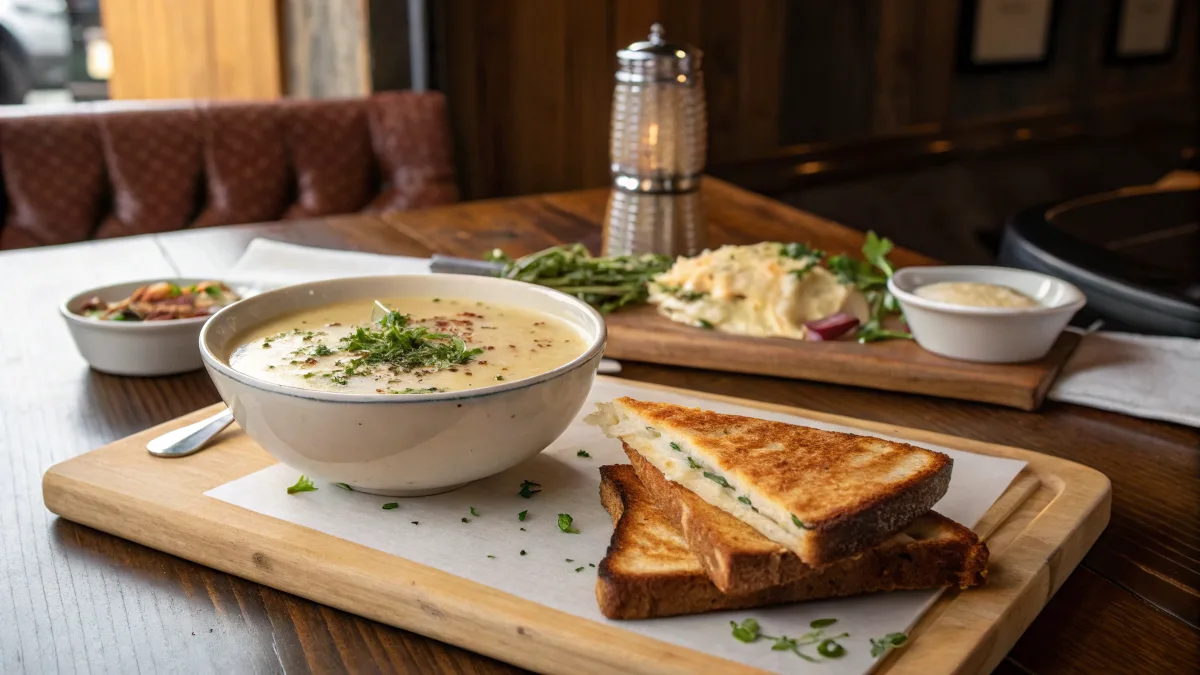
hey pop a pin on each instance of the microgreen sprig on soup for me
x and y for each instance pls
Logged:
(392, 341)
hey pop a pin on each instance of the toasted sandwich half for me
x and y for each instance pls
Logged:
(823, 495)
(649, 571)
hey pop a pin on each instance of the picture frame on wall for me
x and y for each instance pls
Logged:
(1006, 34)
(1142, 31)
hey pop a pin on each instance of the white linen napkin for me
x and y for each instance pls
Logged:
(1145, 376)
(1151, 377)
(272, 263)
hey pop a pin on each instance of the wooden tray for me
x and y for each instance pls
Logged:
(1038, 532)
(640, 334)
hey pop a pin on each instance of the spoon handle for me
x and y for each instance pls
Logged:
(190, 439)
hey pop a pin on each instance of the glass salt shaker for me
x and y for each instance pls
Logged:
(657, 148)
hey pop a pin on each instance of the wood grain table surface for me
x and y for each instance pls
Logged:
(76, 600)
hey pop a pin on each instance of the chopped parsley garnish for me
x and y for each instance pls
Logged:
(390, 505)
(474, 512)
(410, 390)
(523, 529)
(578, 569)
(799, 250)
(320, 350)
(492, 557)
(692, 463)
(582, 453)
(466, 520)
(675, 446)
(343, 486)
(213, 291)
(498, 378)
(529, 489)
(719, 480)
(415, 522)
(745, 500)
(522, 515)
(569, 560)
(393, 342)
(304, 484)
(889, 641)
(566, 523)
(591, 564)
(522, 551)
(307, 375)
(799, 523)
(704, 323)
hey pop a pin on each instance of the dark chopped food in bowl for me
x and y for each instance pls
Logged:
(163, 301)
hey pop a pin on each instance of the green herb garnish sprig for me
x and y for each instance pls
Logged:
(607, 284)
(303, 484)
(827, 646)
(392, 341)
(566, 523)
(890, 641)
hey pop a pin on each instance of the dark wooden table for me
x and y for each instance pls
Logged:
(76, 600)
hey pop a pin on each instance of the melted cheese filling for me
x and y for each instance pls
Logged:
(765, 517)
(753, 290)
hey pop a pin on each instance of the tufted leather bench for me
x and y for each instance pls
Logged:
(113, 169)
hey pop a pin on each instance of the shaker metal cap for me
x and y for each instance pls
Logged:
(656, 60)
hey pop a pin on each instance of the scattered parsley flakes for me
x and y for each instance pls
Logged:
(415, 522)
(474, 512)
(499, 378)
(529, 489)
(344, 486)
(582, 453)
(569, 560)
(303, 484)
(522, 515)
(565, 523)
(890, 641)
(579, 569)
(466, 520)
(522, 551)
(523, 529)
(492, 557)
(390, 505)
(591, 564)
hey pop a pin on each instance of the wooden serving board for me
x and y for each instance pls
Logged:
(640, 334)
(1037, 532)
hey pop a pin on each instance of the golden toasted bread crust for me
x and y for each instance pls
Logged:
(850, 491)
(677, 584)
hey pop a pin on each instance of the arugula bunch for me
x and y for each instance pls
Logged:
(870, 276)
(605, 283)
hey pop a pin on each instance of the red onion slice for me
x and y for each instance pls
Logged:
(831, 327)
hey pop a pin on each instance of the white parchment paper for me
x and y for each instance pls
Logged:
(571, 485)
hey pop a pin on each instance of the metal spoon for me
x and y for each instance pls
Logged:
(190, 439)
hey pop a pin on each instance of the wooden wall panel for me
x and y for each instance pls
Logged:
(530, 81)
(204, 49)
(326, 48)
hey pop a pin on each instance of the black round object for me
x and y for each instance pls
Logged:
(1135, 253)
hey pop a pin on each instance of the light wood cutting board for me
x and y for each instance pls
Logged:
(1037, 532)
(640, 334)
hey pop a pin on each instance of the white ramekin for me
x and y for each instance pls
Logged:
(986, 334)
(139, 348)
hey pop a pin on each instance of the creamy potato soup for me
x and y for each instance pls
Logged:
(406, 346)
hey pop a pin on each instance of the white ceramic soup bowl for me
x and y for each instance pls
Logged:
(986, 334)
(139, 348)
(404, 445)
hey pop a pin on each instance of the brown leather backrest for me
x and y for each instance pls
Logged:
(111, 171)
